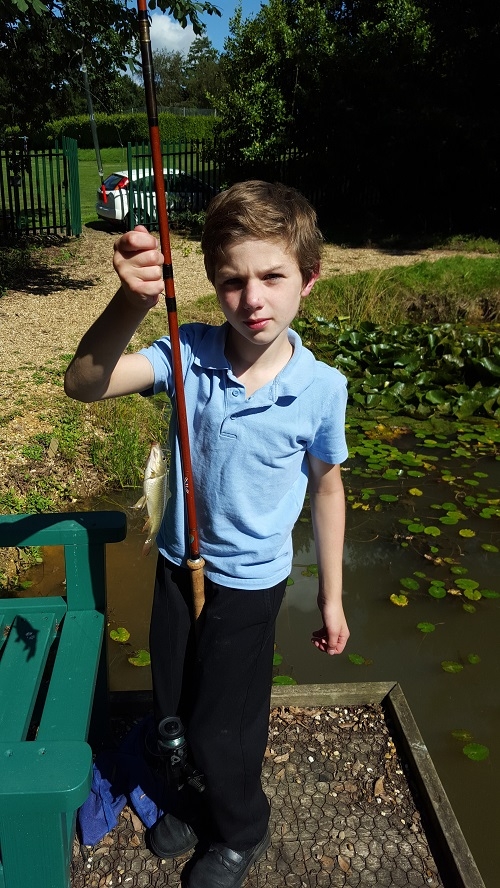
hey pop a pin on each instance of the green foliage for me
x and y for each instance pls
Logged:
(124, 430)
(408, 93)
(450, 289)
(442, 370)
(120, 635)
(54, 40)
(116, 129)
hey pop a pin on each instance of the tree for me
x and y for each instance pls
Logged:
(42, 47)
(390, 99)
(170, 78)
(204, 79)
(188, 80)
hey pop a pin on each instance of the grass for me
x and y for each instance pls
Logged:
(450, 289)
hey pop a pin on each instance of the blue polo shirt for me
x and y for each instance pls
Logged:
(248, 454)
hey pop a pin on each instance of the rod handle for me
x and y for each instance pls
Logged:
(197, 584)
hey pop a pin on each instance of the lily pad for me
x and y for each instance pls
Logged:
(437, 591)
(473, 659)
(141, 658)
(476, 751)
(399, 600)
(451, 666)
(357, 659)
(426, 627)
(120, 635)
(284, 680)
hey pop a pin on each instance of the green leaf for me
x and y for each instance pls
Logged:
(488, 547)
(399, 600)
(461, 735)
(451, 666)
(409, 583)
(415, 491)
(476, 751)
(467, 584)
(290, 581)
(416, 528)
(357, 659)
(284, 680)
(437, 591)
(467, 532)
(120, 635)
(277, 659)
(426, 627)
(473, 659)
(431, 530)
(489, 593)
(141, 658)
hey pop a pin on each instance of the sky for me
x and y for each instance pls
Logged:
(167, 34)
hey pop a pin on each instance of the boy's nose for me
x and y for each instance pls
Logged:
(252, 295)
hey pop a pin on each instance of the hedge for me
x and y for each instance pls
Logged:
(118, 129)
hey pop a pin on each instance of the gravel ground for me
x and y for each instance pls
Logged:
(342, 813)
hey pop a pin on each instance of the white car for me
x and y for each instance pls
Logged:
(185, 192)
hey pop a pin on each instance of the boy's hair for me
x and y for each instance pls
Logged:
(262, 211)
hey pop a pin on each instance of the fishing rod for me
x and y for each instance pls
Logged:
(195, 561)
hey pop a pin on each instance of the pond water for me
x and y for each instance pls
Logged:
(380, 551)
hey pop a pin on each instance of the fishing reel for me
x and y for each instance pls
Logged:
(172, 747)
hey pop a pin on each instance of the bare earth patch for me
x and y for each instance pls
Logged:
(43, 318)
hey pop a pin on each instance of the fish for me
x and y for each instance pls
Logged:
(155, 494)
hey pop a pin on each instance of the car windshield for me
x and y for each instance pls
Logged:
(113, 180)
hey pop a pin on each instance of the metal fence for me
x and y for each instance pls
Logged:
(39, 190)
(191, 177)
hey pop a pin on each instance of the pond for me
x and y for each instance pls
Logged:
(423, 527)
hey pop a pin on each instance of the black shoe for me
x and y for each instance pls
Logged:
(171, 837)
(222, 867)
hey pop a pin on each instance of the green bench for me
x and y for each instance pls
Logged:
(53, 677)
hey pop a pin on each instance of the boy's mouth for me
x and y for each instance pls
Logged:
(256, 323)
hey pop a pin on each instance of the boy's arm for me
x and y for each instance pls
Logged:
(99, 368)
(326, 494)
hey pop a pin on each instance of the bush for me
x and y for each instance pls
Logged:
(118, 129)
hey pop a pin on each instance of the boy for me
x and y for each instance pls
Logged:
(265, 419)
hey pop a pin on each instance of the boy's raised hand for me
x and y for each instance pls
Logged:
(138, 263)
(333, 635)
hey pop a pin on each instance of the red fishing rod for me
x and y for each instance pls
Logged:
(195, 561)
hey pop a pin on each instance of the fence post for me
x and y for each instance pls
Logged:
(72, 189)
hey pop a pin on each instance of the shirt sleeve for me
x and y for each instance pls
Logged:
(329, 441)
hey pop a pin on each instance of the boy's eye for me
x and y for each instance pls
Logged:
(272, 276)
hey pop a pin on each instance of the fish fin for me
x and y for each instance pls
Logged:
(141, 502)
(147, 526)
(148, 545)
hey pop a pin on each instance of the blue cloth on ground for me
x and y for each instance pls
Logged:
(121, 776)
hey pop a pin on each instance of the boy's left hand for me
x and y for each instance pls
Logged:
(332, 637)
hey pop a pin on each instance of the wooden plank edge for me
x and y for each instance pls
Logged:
(454, 859)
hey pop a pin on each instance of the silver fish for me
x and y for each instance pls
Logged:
(155, 494)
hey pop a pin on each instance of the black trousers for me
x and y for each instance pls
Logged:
(221, 689)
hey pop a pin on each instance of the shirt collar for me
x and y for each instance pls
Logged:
(294, 379)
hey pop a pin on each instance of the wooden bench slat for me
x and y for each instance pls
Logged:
(23, 660)
(68, 704)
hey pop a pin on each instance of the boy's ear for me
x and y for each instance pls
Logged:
(306, 289)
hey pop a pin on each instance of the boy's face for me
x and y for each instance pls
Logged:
(259, 286)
